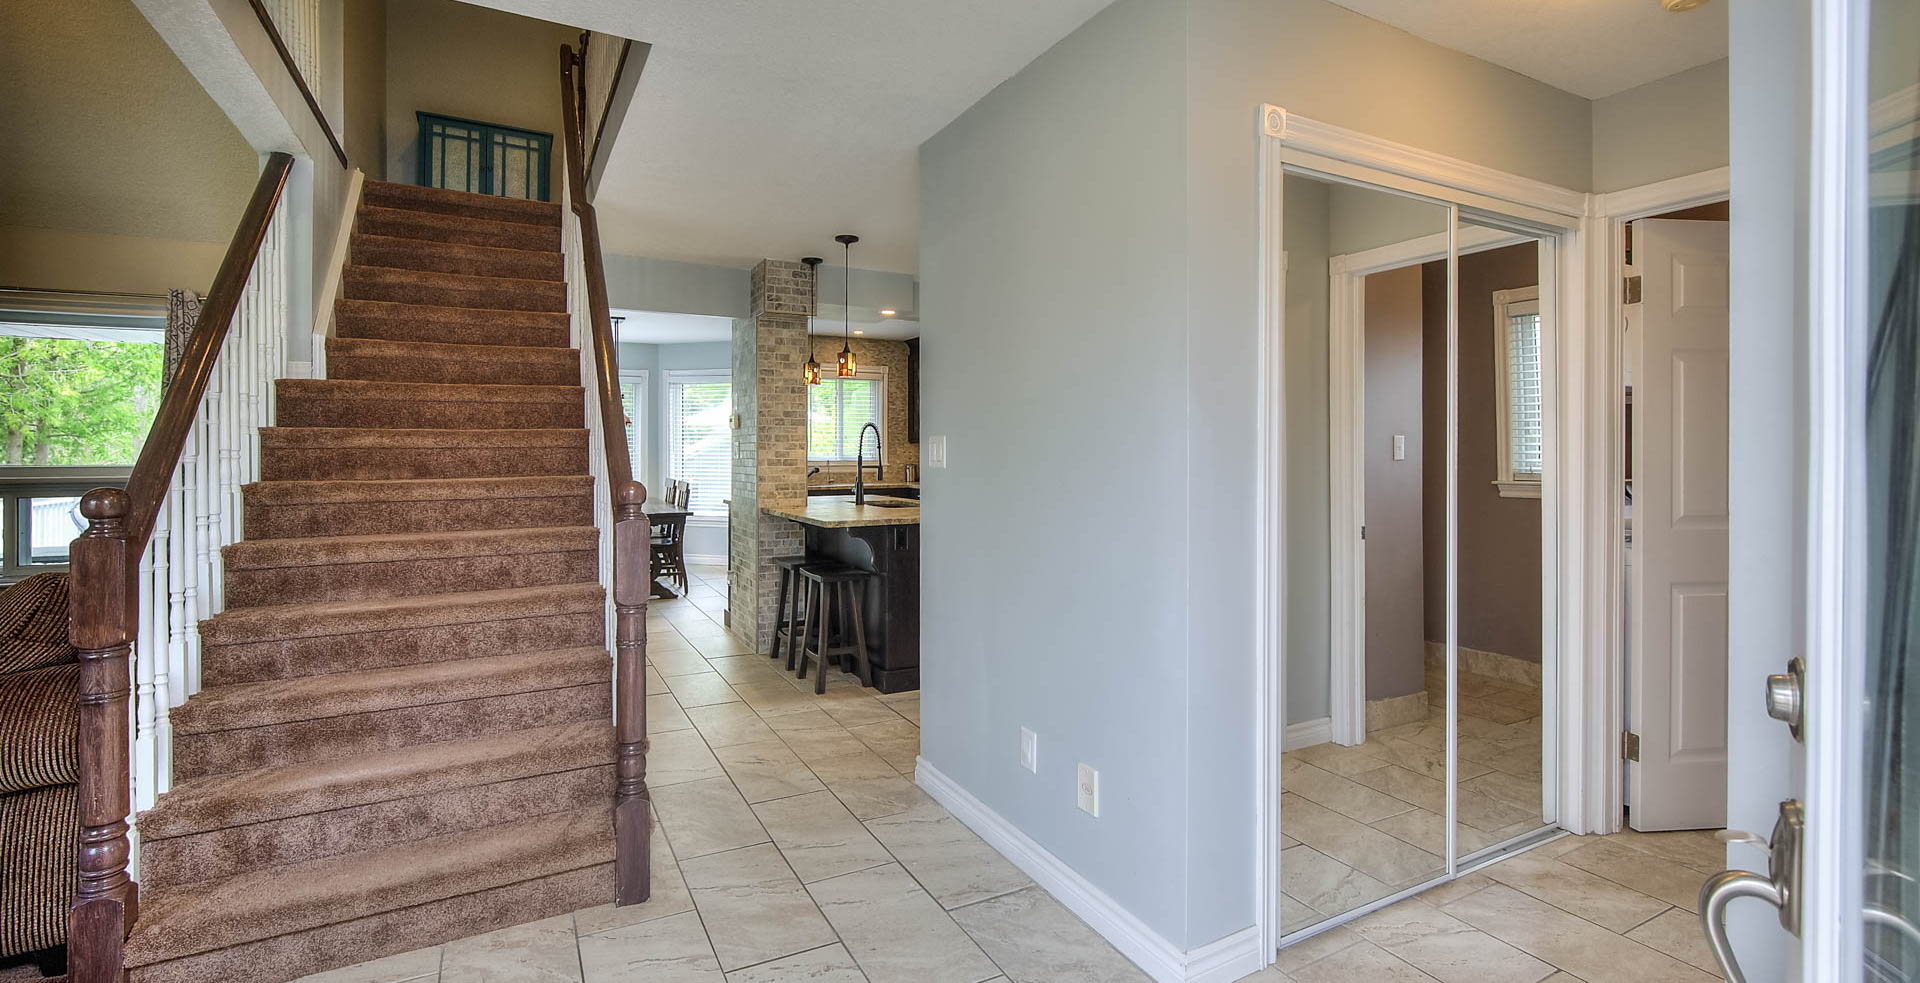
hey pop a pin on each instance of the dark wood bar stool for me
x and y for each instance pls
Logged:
(790, 611)
(833, 593)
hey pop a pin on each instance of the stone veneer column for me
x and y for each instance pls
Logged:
(769, 446)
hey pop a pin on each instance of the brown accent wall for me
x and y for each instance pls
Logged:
(1396, 627)
(1499, 537)
(891, 355)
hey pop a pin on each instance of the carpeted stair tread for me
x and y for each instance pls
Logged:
(462, 325)
(378, 359)
(310, 492)
(418, 405)
(323, 619)
(389, 194)
(406, 223)
(270, 554)
(420, 438)
(280, 701)
(426, 392)
(401, 253)
(261, 795)
(264, 904)
(452, 289)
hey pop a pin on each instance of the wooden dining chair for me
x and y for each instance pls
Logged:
(670, 549)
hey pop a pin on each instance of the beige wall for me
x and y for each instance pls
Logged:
(892, 356)
(364, 88)
(117, 171)
(476, 63)
(1666, 128)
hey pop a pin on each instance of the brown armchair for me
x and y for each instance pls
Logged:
(39, 735)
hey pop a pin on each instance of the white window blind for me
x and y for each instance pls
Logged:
(1524, 422)
(633, 403)
(838, 408)
(700, 437)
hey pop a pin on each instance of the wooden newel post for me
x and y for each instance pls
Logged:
(632, 582)
(99, 615)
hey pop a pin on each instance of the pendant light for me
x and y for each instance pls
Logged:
(847, 366)
(812, 370)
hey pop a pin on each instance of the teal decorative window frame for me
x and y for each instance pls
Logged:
(468, 155)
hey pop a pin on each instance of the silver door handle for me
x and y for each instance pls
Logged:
(1780, 888)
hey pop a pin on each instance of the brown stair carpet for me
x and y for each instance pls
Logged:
(403, 736)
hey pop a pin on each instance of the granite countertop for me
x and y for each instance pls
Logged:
(839, 512)
(847, 486)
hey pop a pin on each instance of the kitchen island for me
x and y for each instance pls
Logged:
(882, 536)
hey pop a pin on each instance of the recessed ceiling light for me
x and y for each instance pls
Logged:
(888, 312)
(859, 332)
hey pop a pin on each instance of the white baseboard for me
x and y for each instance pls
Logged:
(1223, 961)
(1307, 733)
(706, 558)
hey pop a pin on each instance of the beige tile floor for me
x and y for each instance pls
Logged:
(793, 846)
(1364, 822)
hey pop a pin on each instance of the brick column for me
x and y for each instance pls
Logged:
(769, 448)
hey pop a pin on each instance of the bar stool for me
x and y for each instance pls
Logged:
(789, 616)
(829, 588)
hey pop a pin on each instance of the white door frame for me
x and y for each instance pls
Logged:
(1346, 445)
(1572, 480)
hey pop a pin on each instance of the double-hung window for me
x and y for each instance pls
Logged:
(1519, 397)
(82, 383)
(633, 403)
(700, 437)
(838, 409)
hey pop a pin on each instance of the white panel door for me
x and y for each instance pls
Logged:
(1679, 670)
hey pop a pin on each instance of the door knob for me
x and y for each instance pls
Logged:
(1784, 695)
(1780, 888)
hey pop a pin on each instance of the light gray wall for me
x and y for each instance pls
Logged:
(1051, 230)
(1308, 630)
(640, 283)
(1767, 79)
(1666, 128)
(1396, 643)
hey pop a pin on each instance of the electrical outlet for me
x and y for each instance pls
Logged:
(1088, 790)
(1029, 750)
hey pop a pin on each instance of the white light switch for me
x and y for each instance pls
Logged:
(1029, 750)
(1088, 790)
(1399, 447)
(937, 450)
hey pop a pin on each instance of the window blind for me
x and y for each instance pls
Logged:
(633, 400)
(1525, 424)
(837, 409)
(700, 438)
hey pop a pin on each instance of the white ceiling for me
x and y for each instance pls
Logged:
(764, 129)
(1591, 48)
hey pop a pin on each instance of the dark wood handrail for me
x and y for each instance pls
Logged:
(103, 607)
(299, 80)
(632, 533)
(160, 453)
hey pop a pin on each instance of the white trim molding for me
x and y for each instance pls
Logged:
(1223, 961)
(337, 257)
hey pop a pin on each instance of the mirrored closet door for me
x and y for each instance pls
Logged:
(1416, 444)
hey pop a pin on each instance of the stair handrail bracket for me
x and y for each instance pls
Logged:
(626, 534)
(146, 568)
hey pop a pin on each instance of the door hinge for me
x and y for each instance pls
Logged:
(1630, 290)
(1363, 532)
(1630, 746)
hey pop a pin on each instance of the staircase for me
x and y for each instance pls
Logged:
(403, 735)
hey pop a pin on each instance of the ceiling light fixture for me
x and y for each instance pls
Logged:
(811, 372)
(847, 366)
(888, 312)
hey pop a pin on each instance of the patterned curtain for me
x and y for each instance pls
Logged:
(183, 312)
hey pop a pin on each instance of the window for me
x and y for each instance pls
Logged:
(700, 437)
(838, 408)
(633, 403)
(463, 155)
(82, 383)
(1519, 417)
